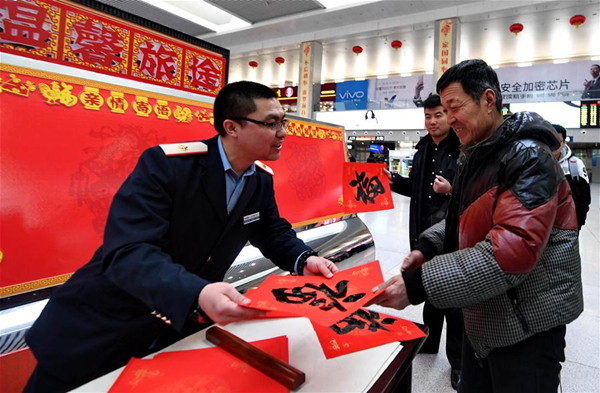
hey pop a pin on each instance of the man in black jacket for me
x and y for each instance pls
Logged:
(433, 163)
(174, 228)
(576, 175)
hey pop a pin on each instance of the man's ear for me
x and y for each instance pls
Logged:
(231, 128)
(490, 99)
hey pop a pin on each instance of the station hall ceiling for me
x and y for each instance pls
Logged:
(261, 30)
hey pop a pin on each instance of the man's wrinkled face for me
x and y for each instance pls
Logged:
(468, 118)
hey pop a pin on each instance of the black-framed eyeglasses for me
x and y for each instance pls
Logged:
(274, 126)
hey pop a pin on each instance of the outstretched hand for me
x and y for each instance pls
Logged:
(223, 304)
(389, 175)
(394, 294)
(413, 260)
(316, 266)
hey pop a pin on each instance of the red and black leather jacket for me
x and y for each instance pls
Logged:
(507, 252)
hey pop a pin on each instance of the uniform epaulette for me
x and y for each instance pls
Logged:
(182, 149)
(264, 167)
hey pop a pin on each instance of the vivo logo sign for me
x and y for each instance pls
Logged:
(352, 91)
(351, 95)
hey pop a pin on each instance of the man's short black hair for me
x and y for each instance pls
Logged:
(595, 65)
(237, 100)
(475, 76)
(561, 130)
(432, 101)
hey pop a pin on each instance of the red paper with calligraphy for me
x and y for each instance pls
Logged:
(366, 188)
(201, 370)
(363, 330)
(323, 301)
(75, 36)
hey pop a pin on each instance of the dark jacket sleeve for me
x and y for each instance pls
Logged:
(135, 240)
(582, 197)
(275, 237)
(415, 290)
(402, 185)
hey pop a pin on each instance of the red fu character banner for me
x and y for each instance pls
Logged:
(366, 188)
(363, 330)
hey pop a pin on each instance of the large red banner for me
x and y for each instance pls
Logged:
(75, 36)
(308, 176)
(67, 144)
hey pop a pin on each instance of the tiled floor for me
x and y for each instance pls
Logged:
(431, 373)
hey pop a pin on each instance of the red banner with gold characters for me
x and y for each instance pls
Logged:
(76, 36)
(68, 143)
(308, 174)
(366, 188)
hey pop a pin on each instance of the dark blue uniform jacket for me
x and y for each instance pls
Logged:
(167, 236)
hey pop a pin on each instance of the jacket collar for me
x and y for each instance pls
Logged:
(213, 183)
(213, 177)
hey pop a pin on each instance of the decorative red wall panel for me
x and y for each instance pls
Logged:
(67, 144)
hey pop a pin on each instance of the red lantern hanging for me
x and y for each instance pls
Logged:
(357, 49)
(253, 64)
(396, 44)
(577, 20)
(516, 28)
(279, 60)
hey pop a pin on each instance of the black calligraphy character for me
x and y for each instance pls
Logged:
(309, 294)
(359, 320)
(367, 189)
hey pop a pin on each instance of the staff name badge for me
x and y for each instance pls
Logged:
(251, 218)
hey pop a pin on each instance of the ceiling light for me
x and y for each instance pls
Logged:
(406, 74)
(529, 64)
(382, 76)
(213, 17)
(560, 61)
(344, 3)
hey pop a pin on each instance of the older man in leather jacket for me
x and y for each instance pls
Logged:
(508, 251)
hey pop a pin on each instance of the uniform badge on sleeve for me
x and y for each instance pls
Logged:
(264, 167)
(181, 149)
